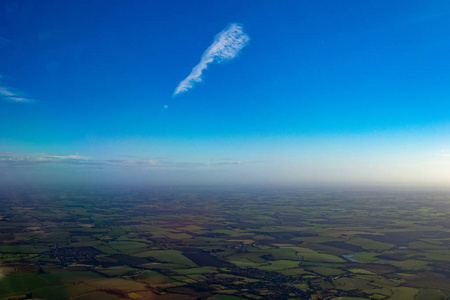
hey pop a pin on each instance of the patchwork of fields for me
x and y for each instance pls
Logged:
(208, 244)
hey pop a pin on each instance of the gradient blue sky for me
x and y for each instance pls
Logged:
(324, 92)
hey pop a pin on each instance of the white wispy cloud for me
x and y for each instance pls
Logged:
(6, 92)
(225, 47)
(151, 162)
(43, 155)
(29, 159)
(13, 95)
(444, 154)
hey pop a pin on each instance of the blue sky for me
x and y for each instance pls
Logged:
(320, 92)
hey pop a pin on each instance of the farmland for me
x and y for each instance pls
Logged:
(209, 243)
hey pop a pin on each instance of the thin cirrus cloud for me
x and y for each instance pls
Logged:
(12, 95)
(26, 159)
(29, 159)
(443, 154)
(151, 162)
(225, 47)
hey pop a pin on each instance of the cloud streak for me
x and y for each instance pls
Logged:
(24, 159)
(444, 154)
(225, 47)
(12, 95)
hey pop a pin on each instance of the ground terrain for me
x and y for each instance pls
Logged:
(214, 243)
